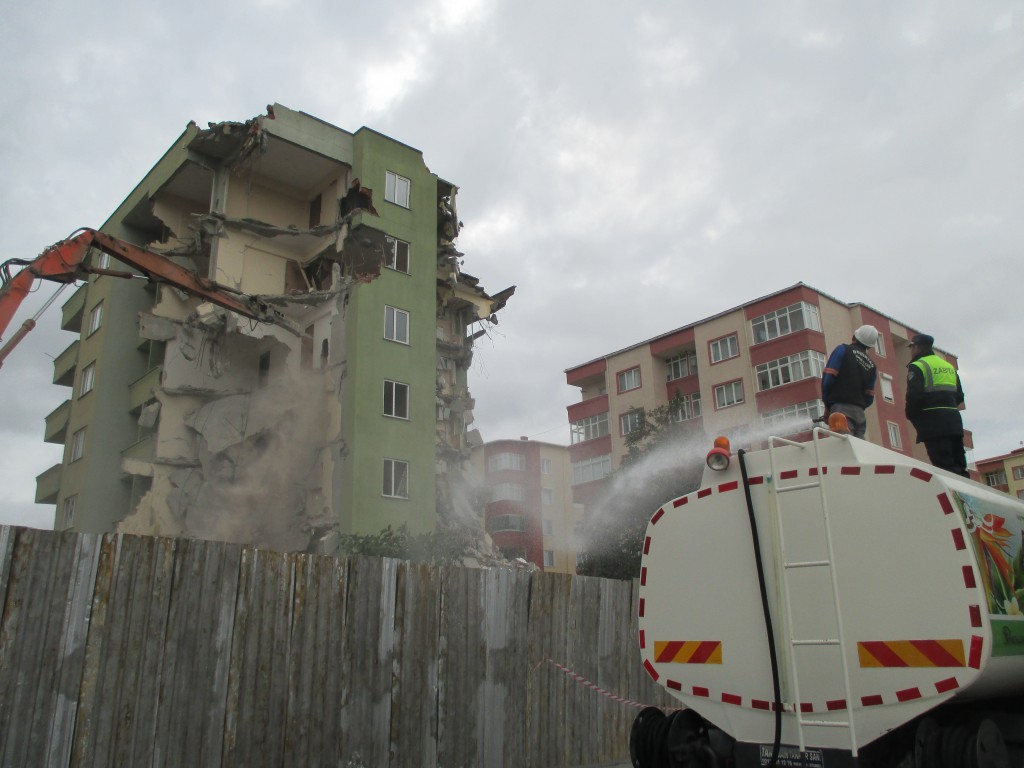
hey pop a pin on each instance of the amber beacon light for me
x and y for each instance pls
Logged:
(718, 457)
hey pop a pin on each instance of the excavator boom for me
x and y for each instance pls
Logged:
(64, 262)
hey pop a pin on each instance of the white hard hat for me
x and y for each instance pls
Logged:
(866, 335)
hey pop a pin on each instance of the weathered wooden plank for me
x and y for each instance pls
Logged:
(546, 689)
(56, 554)
(414, 689)
(461, 667)
(332, 581)
(369, 644)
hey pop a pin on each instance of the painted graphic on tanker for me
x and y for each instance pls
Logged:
(997, 535)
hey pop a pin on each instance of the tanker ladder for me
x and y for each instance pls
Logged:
(825, 565)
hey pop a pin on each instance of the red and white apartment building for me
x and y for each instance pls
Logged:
(530, 513)
(1004, 473)
(747, 370)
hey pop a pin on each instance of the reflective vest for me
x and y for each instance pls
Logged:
(940, 381)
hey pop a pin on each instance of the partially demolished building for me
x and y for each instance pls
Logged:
(350, 414)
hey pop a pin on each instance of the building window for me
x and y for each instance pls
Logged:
(396, 399)
(724, 348)
(506, 523)
(1020, 494)
(729, 394)
(880, 345)
(802, 365)
(683, 364)
(688, 408)
(77, 445)
(588, 428)
(396, 479)
(887, 391)
(508, 492)
(895, 440)
(95, 319)
(631, 421)
(499, 461)
(549, 558)
(795, 317)
(790, 417)
(396, 189)
(590, 469)
(396, 256)
(396, 325)
(103, 262)
(545, 466)
(547, 497)
(629, 380)
(69, 510)
(995, 478)
(88, 379)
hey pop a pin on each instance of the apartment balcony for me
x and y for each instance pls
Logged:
(142, 450)
(64, 366)
(141, 391)
(57, 423)
(48, 485)
(73, 311)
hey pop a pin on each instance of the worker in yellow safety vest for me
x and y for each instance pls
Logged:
(934, 398)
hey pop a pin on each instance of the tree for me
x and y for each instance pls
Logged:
(664, 460)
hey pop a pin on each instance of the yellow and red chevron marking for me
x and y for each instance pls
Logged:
(911, 653)
(688, 651)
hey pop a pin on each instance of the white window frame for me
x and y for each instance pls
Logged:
(785, 370)
(103, 262)
(394, 318)
(506, 522)
(782, 322)
(631, 421)
(885, 384)
(497, 462)
(395, 479)
(628, 380)
(724, 348)
(547, 497)
(88, 380)
(588, 428)
(1018, 472)
(811, 409)
(397, 189)
(992, 479)
(394, 257)
(95, 319)
(680, 366)
(880, 345)
(549, 558)
(508, 492)
(729, 394)
(392, 409)
(689, 408)
(895, 438)
(546, 466)
(77, 445)
(594, 468)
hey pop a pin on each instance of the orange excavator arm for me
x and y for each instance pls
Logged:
(64, 262)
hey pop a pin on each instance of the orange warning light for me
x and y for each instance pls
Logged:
(838, 423)
(718, 457)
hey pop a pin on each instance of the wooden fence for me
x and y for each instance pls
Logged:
(123, 650)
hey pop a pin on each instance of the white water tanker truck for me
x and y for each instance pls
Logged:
(832, 603)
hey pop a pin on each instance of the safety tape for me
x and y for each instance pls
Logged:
(594, 686)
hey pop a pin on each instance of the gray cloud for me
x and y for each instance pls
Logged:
(631, 171)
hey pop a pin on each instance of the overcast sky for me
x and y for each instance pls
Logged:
(632, 168)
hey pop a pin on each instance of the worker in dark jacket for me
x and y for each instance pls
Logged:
(848, 384)
(934, 397)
